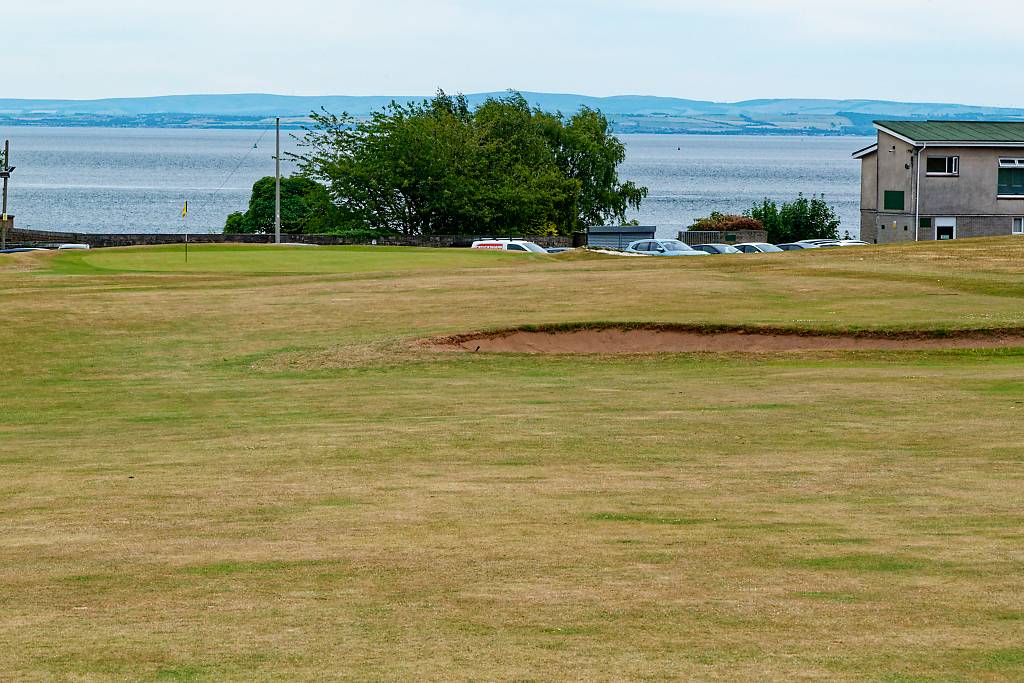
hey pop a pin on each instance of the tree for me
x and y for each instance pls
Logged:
(801, 219)
(305, 208)
(587, 152)
(438, 167)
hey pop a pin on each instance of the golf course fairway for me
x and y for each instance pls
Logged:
(253, 466)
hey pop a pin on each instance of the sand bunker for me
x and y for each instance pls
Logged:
(623, 340)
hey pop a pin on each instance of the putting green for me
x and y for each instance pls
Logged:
(280, 259)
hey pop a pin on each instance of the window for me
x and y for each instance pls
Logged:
(926, 222)
(894, 201)
(1018, 226)
(943, 166)
(514, 247)
(1011, 178)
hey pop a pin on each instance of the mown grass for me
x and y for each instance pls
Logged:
(241, 470)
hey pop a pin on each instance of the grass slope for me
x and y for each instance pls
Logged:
(238, 470)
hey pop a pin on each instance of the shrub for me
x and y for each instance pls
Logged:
(801, 219)
(725, 222)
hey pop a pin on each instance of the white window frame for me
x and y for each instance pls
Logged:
(1017, 226)
(947, 174)
(1005, 162)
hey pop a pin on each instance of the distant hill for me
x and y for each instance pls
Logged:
(629, 113)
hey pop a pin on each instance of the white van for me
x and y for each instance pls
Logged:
(509, 245)
(73, 246)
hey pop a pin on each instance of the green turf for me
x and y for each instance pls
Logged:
(254, 259)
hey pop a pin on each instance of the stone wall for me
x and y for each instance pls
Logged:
(129, 240)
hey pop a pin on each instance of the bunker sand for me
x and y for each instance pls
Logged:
(642, 341)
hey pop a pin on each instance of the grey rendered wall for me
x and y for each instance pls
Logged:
(975, 191)
(894, 157)
(869, 183)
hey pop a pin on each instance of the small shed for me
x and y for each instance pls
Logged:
(618, 236)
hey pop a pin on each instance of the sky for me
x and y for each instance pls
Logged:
(723, 50)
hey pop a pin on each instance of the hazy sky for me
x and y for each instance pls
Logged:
(917, 50)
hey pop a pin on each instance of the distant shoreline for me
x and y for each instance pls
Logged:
(292, 126)
(640, 114)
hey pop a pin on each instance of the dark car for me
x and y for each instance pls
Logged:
(558, 250)
(796, 246)
(715, 249)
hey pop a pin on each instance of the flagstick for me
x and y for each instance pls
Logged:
(184, 225)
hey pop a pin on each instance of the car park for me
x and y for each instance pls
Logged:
(509, 245)
(758, 248)
(715, 249)
(662, 248)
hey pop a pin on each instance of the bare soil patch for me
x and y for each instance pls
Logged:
(682, 339)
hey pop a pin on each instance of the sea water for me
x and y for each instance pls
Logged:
(129, 180)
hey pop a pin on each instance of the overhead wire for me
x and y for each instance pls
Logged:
(245, 158)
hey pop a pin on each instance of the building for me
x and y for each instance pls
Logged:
(941, 180)
(618, 236)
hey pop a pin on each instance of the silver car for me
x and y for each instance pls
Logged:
(758, 248)
(718, 249)
(662, 248)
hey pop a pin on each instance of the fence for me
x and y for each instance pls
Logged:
(716, 237)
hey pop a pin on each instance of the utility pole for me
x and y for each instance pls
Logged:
(277, 187)
(5, 173)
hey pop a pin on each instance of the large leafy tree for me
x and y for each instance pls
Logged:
(588, 153)
(305, 208)
(440, 167)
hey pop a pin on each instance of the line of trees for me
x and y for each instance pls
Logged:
(440, 167)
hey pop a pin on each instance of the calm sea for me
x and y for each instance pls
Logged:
(136, 180)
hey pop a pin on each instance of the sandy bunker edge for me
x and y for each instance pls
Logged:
(637, 338)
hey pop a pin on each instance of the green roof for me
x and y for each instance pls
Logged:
(997, 132)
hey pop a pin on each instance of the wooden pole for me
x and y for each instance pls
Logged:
(277, 186)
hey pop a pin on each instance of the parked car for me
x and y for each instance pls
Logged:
(715, 249)
(558, 250)
(796, 246)
(823, 244)
(73, 246)
(852, 243)
(509, 245)
(662, 248)
(19, 250)
(758, 248)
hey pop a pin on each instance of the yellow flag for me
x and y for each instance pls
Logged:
(184, 211)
